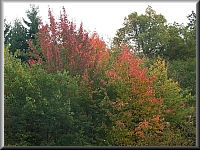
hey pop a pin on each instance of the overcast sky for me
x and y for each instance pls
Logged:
(103, 17)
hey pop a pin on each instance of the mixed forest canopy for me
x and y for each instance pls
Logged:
(65, 87)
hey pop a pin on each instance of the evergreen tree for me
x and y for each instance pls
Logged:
(18, 35)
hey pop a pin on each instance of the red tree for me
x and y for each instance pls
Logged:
(64, 47)
(136, 110)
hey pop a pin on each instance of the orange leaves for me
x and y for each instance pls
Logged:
(156, 100)
(131, 133)
(97, 43)
(150, 91)
(145, 125)
(141, 134)
(111, 73)
(136, 98)
(156, 118)
(158, 123)
(100, 54)
(153, 126)
(168, 111)
(127, 69)
(103, 82)
(118, 104)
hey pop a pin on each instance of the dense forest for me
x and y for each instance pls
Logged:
(65, 87)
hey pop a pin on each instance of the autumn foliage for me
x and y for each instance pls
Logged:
(111, 98)
(137, 110)
(64, 47)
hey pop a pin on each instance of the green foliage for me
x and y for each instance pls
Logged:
(37, 104)
(144, 33)
(18, 35)
(7, 27)
(134, 110)
(181, 43)
(33, 22)
(192, 23)
(120, 98)
(150, 35)
(184, 72)
(62, 113)
(17, 40)
(178, 111)
(175, 46)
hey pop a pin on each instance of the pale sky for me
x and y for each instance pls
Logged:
(103, 17)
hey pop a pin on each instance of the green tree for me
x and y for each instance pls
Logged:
(192, 22)
(7, 27)
(149, 34)
(18, 35)
(37, 104)
(144, 33)
(184, 71)
(190, 35)
(33, 21)
(181, 43)
(175, 47)
(18, 40)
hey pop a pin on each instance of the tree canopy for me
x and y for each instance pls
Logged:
(65, 87)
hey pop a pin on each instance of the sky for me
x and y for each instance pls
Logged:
(101, 17)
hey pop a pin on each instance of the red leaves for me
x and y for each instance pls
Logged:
(64, 47)
(34, 55)
(136, 97)
(53, 25)
(144, 125)
(97, 43)
(111, 73)
(100, 54)
(168, 111)
(154, 125)
(32, 62)
(127, 68)
(141, 134)
(156, 118)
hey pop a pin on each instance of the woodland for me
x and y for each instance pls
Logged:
(63, 86)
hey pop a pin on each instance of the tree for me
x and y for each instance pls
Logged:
(175, 47)
(145, 105)
(178, 104)
(7, 27)
(78, 92)
(134, 110)
(144, 33)
(33, 22)
(182, 40)
(190, 35)
(192, 23)
(149, 34)
(182, 53)
(17, 36)
(37, 104)
(17, 40)
(184, 71)
(62, 47)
